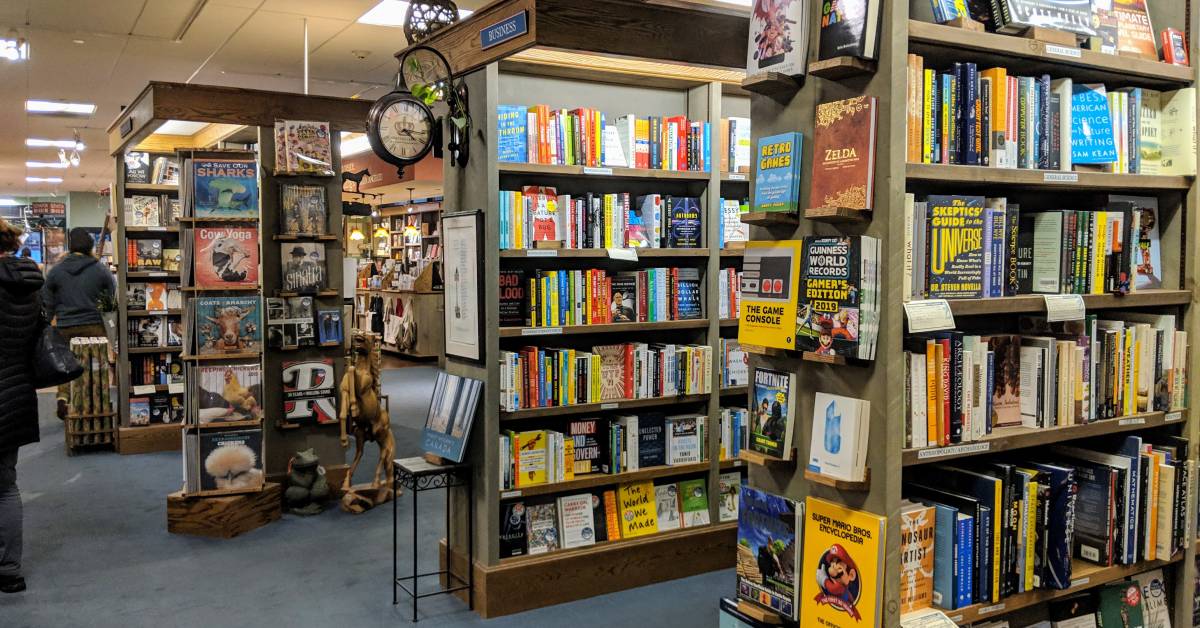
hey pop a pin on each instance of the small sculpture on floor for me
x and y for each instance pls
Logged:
(307, 488)
(361, 410)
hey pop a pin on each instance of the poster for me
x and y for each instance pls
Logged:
(464, 328)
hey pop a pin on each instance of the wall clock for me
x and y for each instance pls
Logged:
(401, 129)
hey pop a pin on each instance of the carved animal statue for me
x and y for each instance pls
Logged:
(229, 259)
(362, 413)
(229, 322)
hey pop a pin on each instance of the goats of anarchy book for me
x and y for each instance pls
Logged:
(770, 274)
(955, 243)
(227, 325)
(768, 550)
(841, 575)
(844, 154)
(226, 257)
(777, 173)
(225, 188)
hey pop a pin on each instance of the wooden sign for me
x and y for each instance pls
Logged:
(504, 30)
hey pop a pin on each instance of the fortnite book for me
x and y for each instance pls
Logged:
(773, 416)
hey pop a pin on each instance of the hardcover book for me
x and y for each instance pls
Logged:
(137, 167)
(638, 506)
(842, 573)
(840, 429)
(227, 325)
(844, 154)
(917, 523)
(667, 507)
(230, 392)
(1092, 139)
(1135, 33)
(1006, 380)
(849, 28)
(511, 135)
(774, 413)
(543, 528)
(1120, 604)
(229, 459)
(309, 392)
(226, 257)
(829, 311)
(684, 223)
(451, 414)
(730, 490)
(778, 40)
(768, 551)
(693, 502)
(612, 372)
(777, 173)
(329, 327)
(769, 285)
(732, 227)
(149, 254)
(143, 211)
(514, 304)
(575, 520)
(303, 266)
(591, 445)
(955, 246)
(303, 210)
(224, 188)
(513, 529)
(307, 147)
(139, 411)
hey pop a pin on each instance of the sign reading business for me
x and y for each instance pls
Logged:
(504, 30)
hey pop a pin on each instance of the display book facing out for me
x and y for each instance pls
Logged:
(223, 323)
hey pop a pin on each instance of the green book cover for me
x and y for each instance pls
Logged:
(1121, 606)
(694, 497)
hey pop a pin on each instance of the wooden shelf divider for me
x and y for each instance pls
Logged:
(605, 328)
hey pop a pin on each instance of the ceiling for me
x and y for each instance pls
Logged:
(105, 51)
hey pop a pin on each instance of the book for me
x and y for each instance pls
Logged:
(228, 458)
(513, 529)
(1179, 132)
(732, 227)
(685, 225)
(543, 528)
(638, 508)
(1155, 607)
(514, 303)
(226, 325)
(1120, 604)
(956, 255)
(231, 392)
(683, 439)
(1092, 140)
(226, 257)
(511, 133)
(777, 173)
(309, 392)
(575, 520)
(224, 188)
(1014, 16)
(836, 303)
(667, 507)
(850, 28)
(693, 498)
(916, 556)
(778, 39)
(769, 291)
(840, 427)
(768, 551)
(730, 488)
(149, 254)
(306, 146)
(773, 416)
(451, 414)
(843, 565)
(1135, 33)
(329, 327)
(303, 210)
(303, 266)
(143, 211)
(139, 411)
(137, 167)
(843, 172)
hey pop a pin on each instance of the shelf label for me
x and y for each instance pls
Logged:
(625, 254)
(156, 311)
(1064, 307)
(541, 253)
(599, 171)
(953, 450)
(1080, 582)
(541, 331)
(929, 315)
(1141, 420)
(1173, 416)
(510, 494)
(176, 388)
(1063, 51)
(147, 389)
(994, 608)
(956, 619)
(504, 30)
(156, 273)
(737, 176)
(1061, 177)
(612, 405)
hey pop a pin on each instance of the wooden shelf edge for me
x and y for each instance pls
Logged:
(137, 350)
(593, 480)
(514, 167)
(216, 425)
(1031, 303)
(620, 544)
(837, 215)
(221, 356)
(842, 485)
(958, 175)
(767, 219)
(620, 404)
(541, 254)
(763, 460)
(770, 84)
(734, 390)
(606, 328)
(842, 67)
(234, 219)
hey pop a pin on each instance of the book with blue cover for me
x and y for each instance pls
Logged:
(511, 136)
(768, 551)
(685, 224)
(964, 548)
(777, 173)
(945, 559)
(1091, 126)
(1054, 570)
(688, 292)
(224, 188)
(451, 413)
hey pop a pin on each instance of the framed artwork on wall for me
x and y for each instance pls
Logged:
(461, 233)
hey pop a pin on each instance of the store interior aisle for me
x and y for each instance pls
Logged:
(97, 553)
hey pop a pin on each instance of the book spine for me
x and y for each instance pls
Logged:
(1043, 125)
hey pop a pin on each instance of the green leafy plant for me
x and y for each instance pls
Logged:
(106, 302)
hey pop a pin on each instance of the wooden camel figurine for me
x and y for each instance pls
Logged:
(362, 412)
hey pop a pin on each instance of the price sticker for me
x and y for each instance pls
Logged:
(624, 254)
(929, 315)
(1064, 307)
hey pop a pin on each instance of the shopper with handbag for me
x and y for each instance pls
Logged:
(20, 321)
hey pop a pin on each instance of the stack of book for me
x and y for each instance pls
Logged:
(142, 210)
(599, 221)
(728, 292)
(552, 298)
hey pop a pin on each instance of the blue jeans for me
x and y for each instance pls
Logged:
(10, 515)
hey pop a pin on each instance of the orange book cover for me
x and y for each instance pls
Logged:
(916, 556)
(226, 257)
(844, 154)
(613, 525)
(914, 100)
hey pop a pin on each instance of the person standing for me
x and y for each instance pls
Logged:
(71, 294)
(20, 322)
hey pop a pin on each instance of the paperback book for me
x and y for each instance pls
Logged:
(777, 173)
(309, 392)
(770, 281)
(768, 551)
(226, 257)
(778, 40)
(303, 210)
(843, 565)
(451, 413)
(774, 413)
(231, 392)
(303, 267)
(224, 188)
(226, 325)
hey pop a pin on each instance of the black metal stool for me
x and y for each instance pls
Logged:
(417, 475)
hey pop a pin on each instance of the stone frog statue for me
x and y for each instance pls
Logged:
(307, 488)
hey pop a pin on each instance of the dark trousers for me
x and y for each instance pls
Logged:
(10, 515)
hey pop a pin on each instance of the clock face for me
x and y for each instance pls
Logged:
(405, 129)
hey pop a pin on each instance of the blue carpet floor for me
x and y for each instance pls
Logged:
(97, 553)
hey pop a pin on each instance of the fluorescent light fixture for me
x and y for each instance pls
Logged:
(43, 179)
(45, 164)
(180, 127)
(391, 13)
(16, 49)
(40, 143)
(60, 108)
(355, 145)
(8, 202)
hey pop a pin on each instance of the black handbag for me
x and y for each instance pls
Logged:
(53, 361)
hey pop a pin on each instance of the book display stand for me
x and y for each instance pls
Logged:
(883, 382)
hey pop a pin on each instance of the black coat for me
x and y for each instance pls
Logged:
(20, 320)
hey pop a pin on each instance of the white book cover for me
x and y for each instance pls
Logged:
(778, 40)
(838, 435)
(614, 149)
(740, 130)
(1031, 365)
(727, 507)
(683, 439)
(1155, 607)
(575, 524)
(732, 227)
(666, 496)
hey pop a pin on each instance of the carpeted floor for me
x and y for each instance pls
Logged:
(97, 554)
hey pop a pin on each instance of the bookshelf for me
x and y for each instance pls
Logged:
(907, 28)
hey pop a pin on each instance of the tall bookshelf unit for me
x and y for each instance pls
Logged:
(908, 27)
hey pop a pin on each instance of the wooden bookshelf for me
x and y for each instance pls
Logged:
(1035, 303)
(167, 312)
(599, 548)
(143, 350)
(735, 391)
(981, 177)
(604, 328)
(152, 187)
(151, 230)
(592, 480)
(540, 254)
(607, 171)
(587, 408)
(153, 274)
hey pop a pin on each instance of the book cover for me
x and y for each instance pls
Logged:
(231, 459)
(137, 167)
(226, 257)
(543, 528)
(303, 210)
(544, 216)
(230, 392)
(693, 497)
(1135, 33)
(687, 289)
(530, 448)
(732, 227)
(917, 525)
(768, 551)
(575, 520)
(227, 325)
(849, 28)
(622, 305)
(839, 436)
(1120, 604)
(1092, 140)
(777, 173)
(770, 281)
(1006, 380)
(612, 371)
(828, 315)
(513, 529)
(143, 211)
(591, 448)
(307, 148)
(309, 392)
(303, 266)
(955, 246)
(667, 508)
(638, 506)
(451, 414)
(778, 39)
(652, 440)
(224, 188)
(683, 439)
(139, 411)
(511, 133)
(149, 254)
(514, 304)
(685, 225)
(730, 488)
(1179, 132)
(773, 416)
(844, 153)
(843, 565)
(1155, 606)
(329, 327)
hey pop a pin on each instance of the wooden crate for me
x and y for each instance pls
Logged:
(224, 517)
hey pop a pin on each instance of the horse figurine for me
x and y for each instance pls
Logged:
(362, 412)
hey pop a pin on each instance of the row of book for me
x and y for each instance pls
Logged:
(154, 331)
(977, 534)
(734, 363)
(988, 117)
(151, 255)
(729, 296)
(142, 168)
(592, 296)
(143, 210)
(155, 408)
(234, 392)
(599, 221)
(155, 369)
(228, 257)
(732, 227)
(960, 387)
(1137, 601)
(154, 296)
(293, 323)
(542, 377)
(974, 247)
(631, 510)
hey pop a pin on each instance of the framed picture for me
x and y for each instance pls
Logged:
(461, 233)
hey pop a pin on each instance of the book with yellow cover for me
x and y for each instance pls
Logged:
(842, 571)
(639, 515)
(770, 282)
(531, 457)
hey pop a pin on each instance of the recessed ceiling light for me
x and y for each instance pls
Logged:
(355, 145)
(45, 164)
(77, 41)
(391, 13)
(43, 179)
(40, 143)
(60, 108)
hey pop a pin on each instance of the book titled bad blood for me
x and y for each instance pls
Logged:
(844, 154)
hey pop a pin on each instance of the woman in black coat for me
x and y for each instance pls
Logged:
(20, 320)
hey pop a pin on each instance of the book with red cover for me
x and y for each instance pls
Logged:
(844, 154)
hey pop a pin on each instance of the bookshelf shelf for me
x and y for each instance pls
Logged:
(952, 176)
(151, 187)
(629, 544)
(152, 274)
(224, 289)
(735, 391)
(733, 253)
(604, 479)
(302, 238)
(610, 172)
(1084, 575)
(541, 254)
(768, 219)
(155, 349)
(729, 322)
(586, 408)
(195, 219)
(167, 312)
(837, 214)
(607, 328)
(771, 84)
(839, 68)
(245, 355)
(1037, 57)
(1014, 438)
(1032, 303)
(151, 230)
(735, 177)
(841, 485)
(216, 425)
